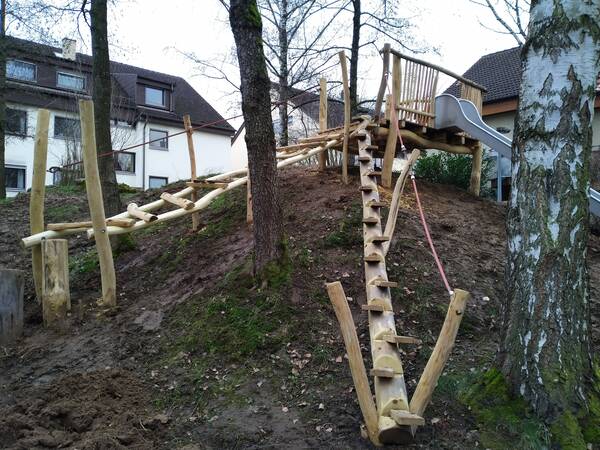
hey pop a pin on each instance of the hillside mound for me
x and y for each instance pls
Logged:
(196, 356)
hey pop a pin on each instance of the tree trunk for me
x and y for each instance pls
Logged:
(246, 26)
(101, 94)
(546, 349)
(2, 97)
(354, 57)
(283, 74)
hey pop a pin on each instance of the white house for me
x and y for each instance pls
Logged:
(147, 115)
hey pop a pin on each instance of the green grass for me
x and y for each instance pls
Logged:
(84, 262)
(62, 213)
(349, 233)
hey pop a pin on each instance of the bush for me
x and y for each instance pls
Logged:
(446, 168)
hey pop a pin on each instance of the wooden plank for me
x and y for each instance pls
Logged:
(56, 298)
(38, 193)
(390, 146)
(383, 372)
(441, 352)
(177, 201)
(344, 67)
(322, 118)
(370, 220)
(355, 359)
(393, 339)
(374, 258)
(94, 195)
(383, 283)
(134, 211)
(377, 204)
(405, 418)
(12, 288)
(377, 239)
(206, 185)
(88, 224)
(187, 123)
(125, 223)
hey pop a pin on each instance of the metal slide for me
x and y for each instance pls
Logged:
(451, 112)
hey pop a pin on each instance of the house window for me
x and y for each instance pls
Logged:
(155, 96)
(125, 162)
(66, 128)
(21, 70)
(159, 139)
(15, 178)
(156, 182)
(70, 81)
(16, 122)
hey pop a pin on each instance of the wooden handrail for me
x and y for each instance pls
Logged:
(439, 68)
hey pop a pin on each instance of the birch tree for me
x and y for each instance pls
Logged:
(545, 353)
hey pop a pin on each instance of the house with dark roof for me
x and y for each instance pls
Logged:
(146, 106)
(500, 74)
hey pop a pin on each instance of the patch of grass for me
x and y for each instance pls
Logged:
(85, 262)
(6, 201)
(505, 421)
(349, 233)
(124, 243)
(61, 213)
(67, 189)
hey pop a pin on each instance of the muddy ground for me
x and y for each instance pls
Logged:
(197, 357)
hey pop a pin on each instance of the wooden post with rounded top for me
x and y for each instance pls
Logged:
(38, 192)
(187, 123)
(392, 138)
(355, 359)
(94, 195)
(383, 83)
(440, 354)
(322, 118)
(344, 66)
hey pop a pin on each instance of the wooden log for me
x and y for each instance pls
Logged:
(355, 359)
(475, 181)
(322, 118)
(405, 418)
(206, 185)
(12, 288)
(440, 354)
(135, 211)
(94, 196)
(179, 202)
(38, 193)
(390, 146)
(392, 339)
(424, 143)
(187, 123)
(392, 218)
(88, 224)
(383, 83)
(344, 67)
(56, 300)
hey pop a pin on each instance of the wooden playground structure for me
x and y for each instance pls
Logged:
(402, 125)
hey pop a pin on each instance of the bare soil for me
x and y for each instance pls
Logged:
(193, 359)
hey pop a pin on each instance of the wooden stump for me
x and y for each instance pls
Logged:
(56, 299)
(12, 284)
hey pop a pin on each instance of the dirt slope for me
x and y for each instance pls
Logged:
(195, 356)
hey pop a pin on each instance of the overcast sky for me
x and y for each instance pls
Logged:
(148, 33)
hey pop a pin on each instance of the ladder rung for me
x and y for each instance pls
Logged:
(372, 147)
(402, 417)
(376, 204)
(374, 173)
(378, 239)
(377, 305)
(364, 159)
(374, 258)
(380, 282)
(393, 339)
(383, 372)
(366, 189)
(370, 220)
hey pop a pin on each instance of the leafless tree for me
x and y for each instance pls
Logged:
(512, 15)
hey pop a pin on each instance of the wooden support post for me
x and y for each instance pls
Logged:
(249, 213)
(187, 123)
(344, 65)
(94, 195)
(56, 300)
(475, 182)
(323, 119)
(12, 285)
(383, 84)
(38, 192)
(390, 225)
(438, 358)
(355, 359)
(392, 138)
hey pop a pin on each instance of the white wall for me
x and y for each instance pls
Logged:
(213, 151)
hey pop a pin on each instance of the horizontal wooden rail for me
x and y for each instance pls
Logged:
(440, 68)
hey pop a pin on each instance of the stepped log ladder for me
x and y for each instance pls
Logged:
(187, 123)
(38, 192)
(344, 67)
(322, 118)
(390, 389)
(94, 195)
